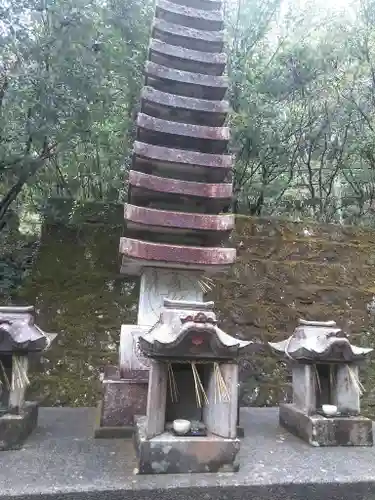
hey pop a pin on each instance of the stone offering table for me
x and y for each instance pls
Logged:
(62, 461)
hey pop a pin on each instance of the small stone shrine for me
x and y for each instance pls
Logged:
(191, 420)
(19, 337)
(326, 387)
(179, 189)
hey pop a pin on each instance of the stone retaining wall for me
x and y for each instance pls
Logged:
(285, 271)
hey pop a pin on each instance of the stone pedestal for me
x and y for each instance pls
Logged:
(122, 398)
(318, 430)
(16, 428)
(169, 454)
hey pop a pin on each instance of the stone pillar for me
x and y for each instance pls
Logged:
(158, 284)
(156, 399)
(220, 417)
(130, 356)
(304, 387)
(346, 394)
(17, 394)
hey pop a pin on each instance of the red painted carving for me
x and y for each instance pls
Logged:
(197, 341)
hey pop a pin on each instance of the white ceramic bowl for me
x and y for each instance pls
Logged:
(181, 426)
(329, 410)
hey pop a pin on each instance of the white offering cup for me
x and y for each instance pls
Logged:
(329, 410)
(181, 426)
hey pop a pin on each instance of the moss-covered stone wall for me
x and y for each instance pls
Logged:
(80, 295)
(285, 271)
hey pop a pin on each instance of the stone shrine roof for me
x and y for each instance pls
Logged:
(188, 330)
(319, 341)
(18, 331)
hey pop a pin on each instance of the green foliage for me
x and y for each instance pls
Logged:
(302, 95)
(70, 74)
(301, 89)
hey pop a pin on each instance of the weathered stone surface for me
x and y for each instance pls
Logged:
(166, 454)
(189, 17)
(155, 254)
(158, 219)
(183, 72)
(186, 83)
(132, 364)
(19, 333)
(319, 341)
(155, 284)
(190, 38)
(258, 299)
(307, 231)
(187, 59)
(321, 431)
(202, 4)
(164, 143)
(187, 77)
(61, 461)
(124, 398)
(312, 250)
(270, 322)
(185, 129)
(16, 428)
(183, 102)
(222, 191)
(179, 156)
(187, 10)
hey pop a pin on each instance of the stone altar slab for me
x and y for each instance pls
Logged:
(122, 397)
(167, 454)
(318, 430)
(61, 460)
(15, 428)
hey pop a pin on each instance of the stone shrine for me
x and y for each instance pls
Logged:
(326, 387)
(193, 382)
(19, 337)
(180, 188)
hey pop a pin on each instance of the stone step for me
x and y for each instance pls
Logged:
(190, 38)
(178, 163)
(194, 61)
(189, 17)
(151, 219)
(138, 254)
(180, 108)
(185, 83)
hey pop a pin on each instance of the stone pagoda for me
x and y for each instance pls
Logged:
(326, 387)
(193, 380)
(180, 188)
(19, 337)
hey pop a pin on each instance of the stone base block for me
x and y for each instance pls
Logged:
(318, 430)
(122, 398)
(169, 454)
(15, 429)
